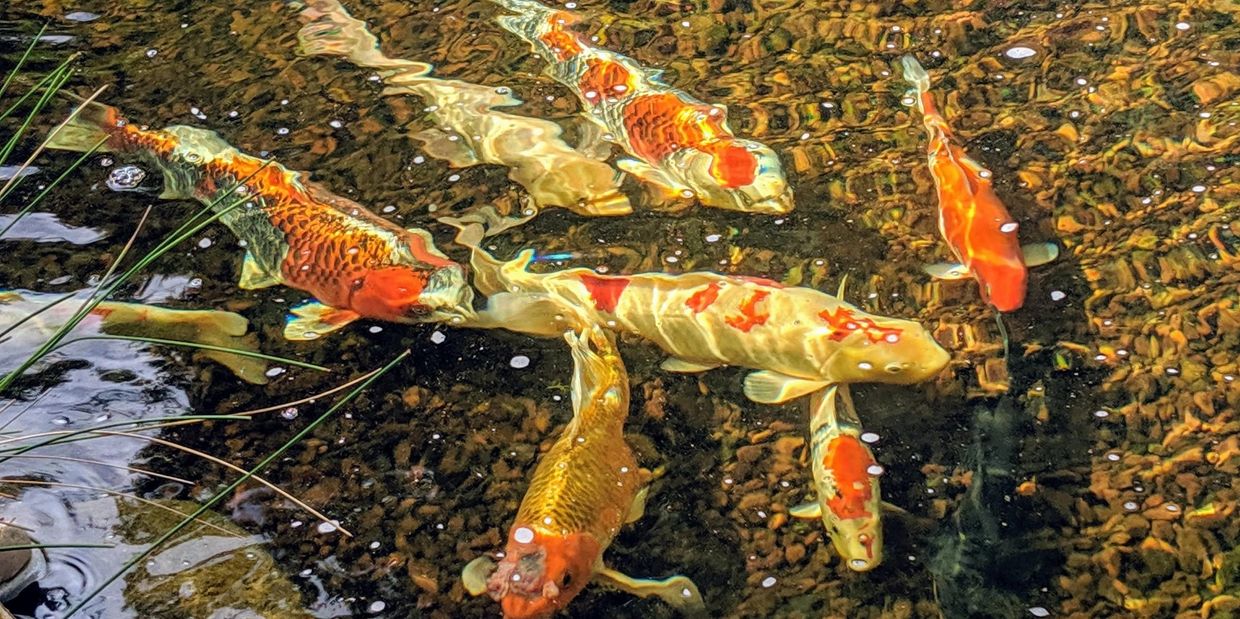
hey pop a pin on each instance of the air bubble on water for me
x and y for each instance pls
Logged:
(305, 573)
(150, 53)
(273, 372)
(523, 535)
(419, 159)
(1173, 371)
(377, 606)
(1172, 507)
(375, 329)
(984, 173)
(82, 16)
(60, 421)
(1038, 611)
(103, 417)
(125, 178)
(1020, 52)
(1182, 26)
(234, 114)
(1131, 506)
(519, 362)
(685, 24)
(438, 337)
(1057, 295)
(865, 365)
(503, 90)
(454, 178)
(328, 527)
(874, 469)
(908, 101)
(1009, 227)
(106, 161)
(1101, 413)
(335, 124)
(672, 259)
(204, 243)
(289, 413)
(1199, 188)
(1080, 81)
(869, 437)
(768, 582)
(282, 131)
(1113, 457)
(713, 238)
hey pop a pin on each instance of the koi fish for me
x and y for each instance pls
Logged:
(846, 479)
(296, 232)
(469, 130)
(678, 143)
(799, 339)
(584, 489)
(977, 227)
(211, 327)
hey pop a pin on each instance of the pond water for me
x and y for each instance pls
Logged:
(1086, 469)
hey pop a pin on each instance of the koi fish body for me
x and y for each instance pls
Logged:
(846, 480)
(468, 128)
(584, 489)
(296, 232)
(801, 340)
(678, 143)
(977, 227)
(211, 327)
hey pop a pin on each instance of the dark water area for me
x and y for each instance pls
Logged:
(1092, 474)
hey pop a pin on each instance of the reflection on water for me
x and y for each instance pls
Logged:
(1109, 127)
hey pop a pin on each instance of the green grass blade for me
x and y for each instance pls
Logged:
(43, 82)
(46, 190)
(50, 91)
(187, 344)
(8, 79)
(60, 436)
(219, 496)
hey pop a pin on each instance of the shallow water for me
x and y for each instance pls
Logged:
(1116, 137)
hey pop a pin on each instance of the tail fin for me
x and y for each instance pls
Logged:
(91, 123)
(915, 74)
(330, 30)
(211, 327)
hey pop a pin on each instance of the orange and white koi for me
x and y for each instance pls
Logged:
(43, 314)
(679, 143)
(296, 232)
(799, 339)
(977, 227)
(846, 479)
(469, 129)
(584, 489)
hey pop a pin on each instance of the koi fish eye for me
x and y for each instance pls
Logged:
(567, 580)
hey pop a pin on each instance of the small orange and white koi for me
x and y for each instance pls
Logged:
(977, 227)
(846, 479)
(680, 144)
(584, 489)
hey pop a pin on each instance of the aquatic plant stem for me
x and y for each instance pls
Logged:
(115, 493)
(110, 465)
(61, 78)
(167, 535)
(8, 79)
(183, 343)
(12, 182)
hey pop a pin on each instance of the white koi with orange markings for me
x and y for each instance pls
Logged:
(679, 143)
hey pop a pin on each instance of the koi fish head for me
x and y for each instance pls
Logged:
(408, 295)
(541, 573)
(1002, 282)
(877, 349)
(736, 174)
(846, 476)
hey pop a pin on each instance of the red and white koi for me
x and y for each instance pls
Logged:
(798, 339)
(679, 143)
(296, 232)
(846, 479)
(977, 227)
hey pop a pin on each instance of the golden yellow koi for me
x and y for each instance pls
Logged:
(584, 489)
(468, 128)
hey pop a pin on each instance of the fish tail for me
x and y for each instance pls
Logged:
(91, 124)
(213, 328)
(915, 74)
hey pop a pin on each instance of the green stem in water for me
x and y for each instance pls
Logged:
(232, 351)
(219, 496)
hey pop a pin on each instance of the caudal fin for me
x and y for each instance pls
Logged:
(915, 74)
(91, 123)
(215, 328)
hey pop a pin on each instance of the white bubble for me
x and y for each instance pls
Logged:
(519, 362)
(327, 527)
(1199, 188)
(1057, 295)
(869, 437)
(1182, 26)
(273, 372)
(377, 606)
(874, 469)
(335, 124)
(204, 243)
(1020, 52)
(523, 535)
(282, 131)
(1038, 611)
(713, 238)
(768, 582)
(1009, 227)
(150, 53)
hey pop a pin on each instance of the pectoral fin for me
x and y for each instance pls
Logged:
(652, 175)
(638, 508)
(450, 148)
(678, 591)
(253, 276)
(1037, 254)
(680, 366)
(770, 387)
(312, 320)
(474, 576)
(947, 270)
(807, 511)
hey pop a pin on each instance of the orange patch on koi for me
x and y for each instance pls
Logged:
(703, 298)
(605, 79)
(848, 460)
(843, 324)
(731, 164)
(605, 291)
(564, 44)
(749, 317)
